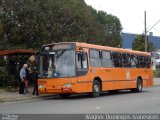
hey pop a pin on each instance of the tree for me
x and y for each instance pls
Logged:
(112, 28)
(139, 44)
(32, 23)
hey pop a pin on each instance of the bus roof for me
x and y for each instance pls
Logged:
(86, 45)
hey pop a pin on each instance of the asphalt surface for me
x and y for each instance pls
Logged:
(14, 106)
(78, 107)
(147, 101)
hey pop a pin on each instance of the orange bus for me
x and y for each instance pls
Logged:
(72, 67)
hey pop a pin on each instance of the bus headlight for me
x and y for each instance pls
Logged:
(42, 86)
(67, 85)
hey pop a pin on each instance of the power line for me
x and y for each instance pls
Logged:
(153, 26)
(156, 30)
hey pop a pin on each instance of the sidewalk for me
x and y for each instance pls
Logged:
(6, 96)
(15, 96)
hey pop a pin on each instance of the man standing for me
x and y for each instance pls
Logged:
(35, 78)
(23, 75)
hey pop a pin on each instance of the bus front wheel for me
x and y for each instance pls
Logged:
(96, 89)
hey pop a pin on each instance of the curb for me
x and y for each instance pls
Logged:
(16, 99)
(13, 99)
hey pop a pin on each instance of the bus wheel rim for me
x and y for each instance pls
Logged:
(96, 88)
(140, 86)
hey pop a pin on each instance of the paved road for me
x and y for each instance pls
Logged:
(147, 101)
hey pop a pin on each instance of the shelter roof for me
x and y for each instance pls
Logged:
(16, 52)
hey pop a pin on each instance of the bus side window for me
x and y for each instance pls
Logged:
(82, 60)
(82, 63)
(79, 60)
(134, 61)
(117, 59)
(106, 59)
(95, 59)
(149, 62)
(142, 61)
(126, 60)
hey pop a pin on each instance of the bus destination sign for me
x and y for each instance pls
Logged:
(62, 46)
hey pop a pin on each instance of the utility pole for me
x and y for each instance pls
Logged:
(145, 31)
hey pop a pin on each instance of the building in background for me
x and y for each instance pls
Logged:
(129, 38)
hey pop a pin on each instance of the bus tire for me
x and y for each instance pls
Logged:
(139, 86)
(96, 89)
(66, 95)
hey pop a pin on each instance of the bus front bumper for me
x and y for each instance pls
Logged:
(59, 89)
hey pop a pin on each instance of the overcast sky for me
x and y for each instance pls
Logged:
(131, 13)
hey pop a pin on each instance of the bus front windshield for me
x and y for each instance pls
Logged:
(57, 64)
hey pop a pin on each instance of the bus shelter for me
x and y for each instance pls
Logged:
(10, 63)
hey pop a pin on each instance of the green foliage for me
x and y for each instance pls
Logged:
(32, 23)
(9, 69)
(3, 73)
(112, 29)
(157, 72)
(139, 44)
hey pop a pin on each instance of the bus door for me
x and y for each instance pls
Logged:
(83, 77)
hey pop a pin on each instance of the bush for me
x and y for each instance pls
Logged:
(157, 72)
(3, 76)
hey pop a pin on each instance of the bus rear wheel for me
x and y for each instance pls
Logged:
(96, 89)
(139, 86)
(66, 95)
